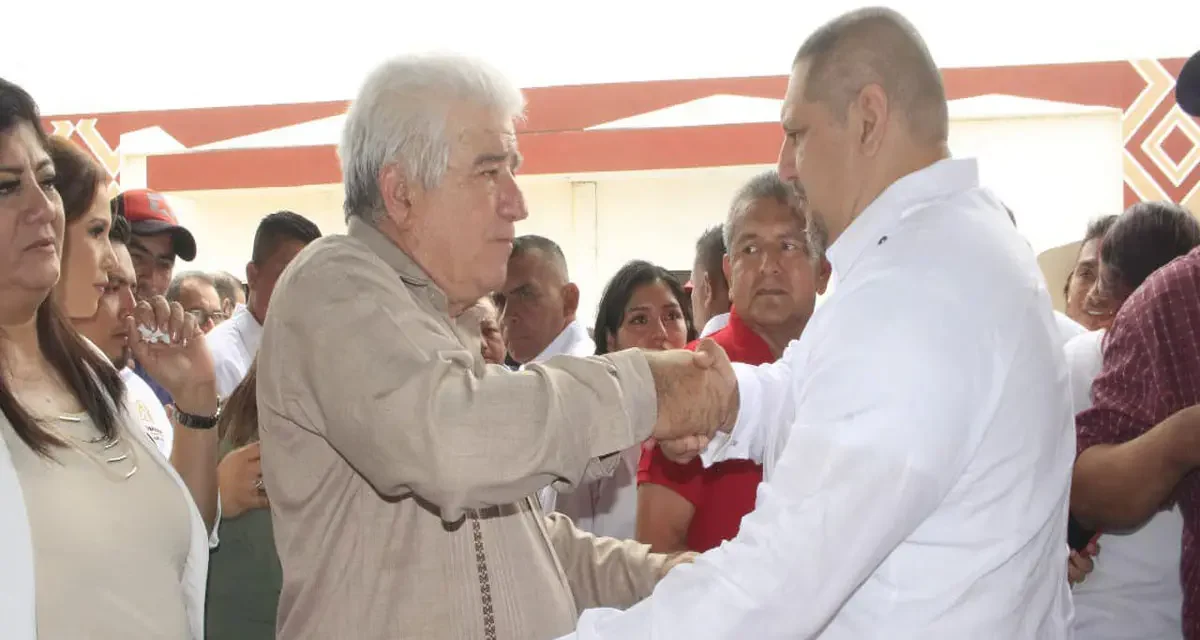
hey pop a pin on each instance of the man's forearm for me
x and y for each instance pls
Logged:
(194, 456)
(604, 572)
(1121, 486)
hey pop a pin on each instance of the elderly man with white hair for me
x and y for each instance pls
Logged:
(400, 466)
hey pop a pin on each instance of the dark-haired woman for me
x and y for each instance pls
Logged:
(88, 257)
(244, 574)
(99, 537)
(642, 306)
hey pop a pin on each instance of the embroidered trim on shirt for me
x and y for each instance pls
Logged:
(485, 586)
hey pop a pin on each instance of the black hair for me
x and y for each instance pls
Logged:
(710, 255)
(1146, 237)
(120, 231)
(277, 228)
(620, 290)
(88, 375)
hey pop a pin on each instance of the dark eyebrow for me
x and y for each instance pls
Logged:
(640, 307)
(134, 244)
(46, 162)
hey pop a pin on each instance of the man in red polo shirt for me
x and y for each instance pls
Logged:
(773, 282)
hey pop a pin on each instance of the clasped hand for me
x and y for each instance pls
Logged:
(169, 344)
(697, 395)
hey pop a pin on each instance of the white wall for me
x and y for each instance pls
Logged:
(223, 221)
(1055, 173)
(603, 221)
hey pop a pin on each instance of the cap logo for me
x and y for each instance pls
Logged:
(158, 204)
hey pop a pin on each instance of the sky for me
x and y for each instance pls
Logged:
(84, 56)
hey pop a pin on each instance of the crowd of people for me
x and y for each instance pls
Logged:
(408, 430)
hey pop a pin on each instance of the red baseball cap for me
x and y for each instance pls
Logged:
(149, 213)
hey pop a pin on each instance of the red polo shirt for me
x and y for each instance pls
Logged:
(724, 492)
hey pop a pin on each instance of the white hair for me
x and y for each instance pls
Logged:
(400, 115)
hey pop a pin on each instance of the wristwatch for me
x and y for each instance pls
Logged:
(193, 421)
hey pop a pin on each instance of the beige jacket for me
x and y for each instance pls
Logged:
(400, 467)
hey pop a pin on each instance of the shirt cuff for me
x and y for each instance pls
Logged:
(736, 445)
(214, 540)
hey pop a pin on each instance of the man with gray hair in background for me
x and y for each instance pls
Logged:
(402, 467)
(231, 290)
(196, 292)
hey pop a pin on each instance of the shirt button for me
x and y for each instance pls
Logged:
(881, 240)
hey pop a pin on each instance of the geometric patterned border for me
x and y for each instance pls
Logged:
(1151, 173)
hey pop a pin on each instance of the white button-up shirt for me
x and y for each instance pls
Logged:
(917, 442)
(149, 412)
(604, 507)
(233, 345)
(1134, 591)
(715, 324)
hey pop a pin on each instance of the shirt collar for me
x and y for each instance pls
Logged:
(715, 324)
(409, 271)
(747, 339)
(904, 196)
(247, 326)
(394, 256)
(572, 340)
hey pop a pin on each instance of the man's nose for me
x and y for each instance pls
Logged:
(786, 165)
(128, 302)
(771, 263)
(512, 202)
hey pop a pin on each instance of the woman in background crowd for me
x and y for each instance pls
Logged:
(1134, 589)
(244, 575)
(642, 306)
(99, 537)
(1083, 275)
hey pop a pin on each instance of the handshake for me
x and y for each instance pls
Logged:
(697, 396)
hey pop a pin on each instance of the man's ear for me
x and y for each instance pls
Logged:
(824, 271)
(570, 294)
(252, 275)
(398, 194)
(873, 109)
(727, 269)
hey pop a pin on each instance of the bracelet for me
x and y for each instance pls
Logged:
(193, 421)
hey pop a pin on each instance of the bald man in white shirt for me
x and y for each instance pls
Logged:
(917, 439)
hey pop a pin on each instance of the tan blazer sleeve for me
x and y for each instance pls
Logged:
(389, 384)
(603, 572)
